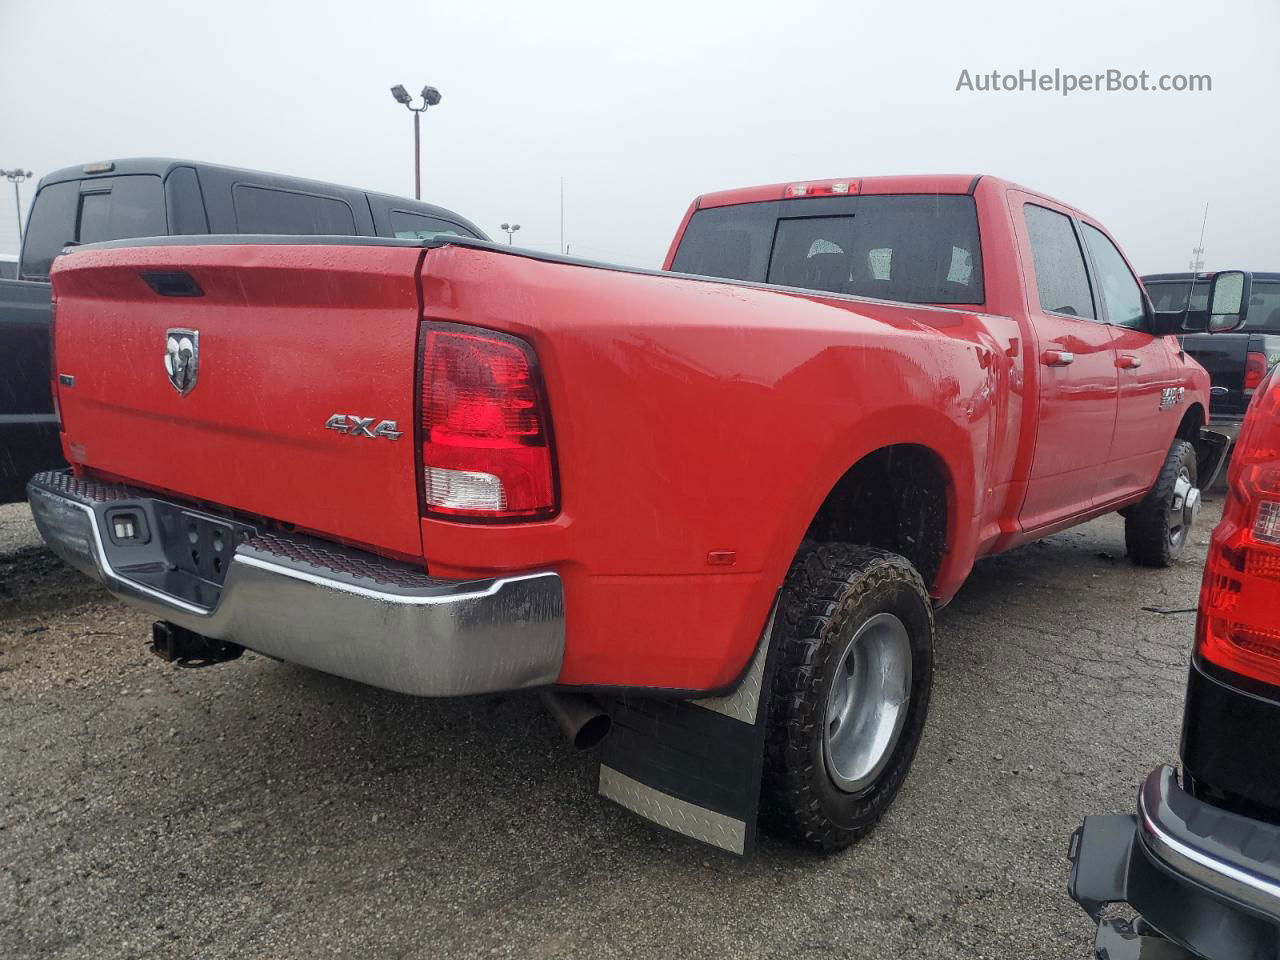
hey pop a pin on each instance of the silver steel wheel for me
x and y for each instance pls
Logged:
(1184, 506)
(867, 703)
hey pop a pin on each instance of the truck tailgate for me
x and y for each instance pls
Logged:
(286, 336)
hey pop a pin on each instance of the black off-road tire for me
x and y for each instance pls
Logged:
(830, 591)
(1146, 525)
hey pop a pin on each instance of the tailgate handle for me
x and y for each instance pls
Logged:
(172, 283)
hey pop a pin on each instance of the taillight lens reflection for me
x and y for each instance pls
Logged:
(1238, 627)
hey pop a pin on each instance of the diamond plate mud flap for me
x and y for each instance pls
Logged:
(693, 766)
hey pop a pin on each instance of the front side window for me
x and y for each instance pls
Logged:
(1061, 277)
(1120, 290)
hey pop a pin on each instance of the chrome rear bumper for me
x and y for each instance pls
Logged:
(1205, 878)
(309, 602)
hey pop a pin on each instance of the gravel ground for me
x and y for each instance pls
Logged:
(257, 809)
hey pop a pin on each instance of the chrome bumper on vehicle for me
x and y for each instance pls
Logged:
(306, 601)
(1205, 878)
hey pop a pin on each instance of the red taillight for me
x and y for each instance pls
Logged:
(1238, 627)
(486, 444)
(1255, 369)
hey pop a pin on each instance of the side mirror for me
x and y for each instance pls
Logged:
(1228, 300)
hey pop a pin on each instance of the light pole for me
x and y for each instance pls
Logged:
(430, 97)
(16, 176)
(510, 228)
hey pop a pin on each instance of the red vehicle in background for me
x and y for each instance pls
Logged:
(1200, 862)
(719, 502)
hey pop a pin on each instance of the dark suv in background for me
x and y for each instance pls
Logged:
(152, 197)
(1237, 362)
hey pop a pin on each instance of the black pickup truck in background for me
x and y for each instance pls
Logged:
(1237, 362)
(148, 198)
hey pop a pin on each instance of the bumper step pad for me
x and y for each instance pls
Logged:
(693, 766)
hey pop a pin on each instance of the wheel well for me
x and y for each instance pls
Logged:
(894, 499)
(1192, 421)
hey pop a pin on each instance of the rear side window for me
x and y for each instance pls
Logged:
(418, 226)
(267, 210)
(916, 249)
(1120, 290)
(118, 207)
(1061, 277)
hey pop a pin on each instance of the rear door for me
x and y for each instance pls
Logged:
(1076, 367)
(1146, 417)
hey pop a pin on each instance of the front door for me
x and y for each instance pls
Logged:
(1150, 384)
(1075, 367)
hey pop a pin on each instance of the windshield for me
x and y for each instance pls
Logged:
(913, 248)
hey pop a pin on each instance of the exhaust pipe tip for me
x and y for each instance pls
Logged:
(593, 732)
(579, 716)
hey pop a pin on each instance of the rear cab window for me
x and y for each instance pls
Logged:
(905, 247)
(87, 211)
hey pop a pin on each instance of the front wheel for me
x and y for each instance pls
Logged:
(850, 692)
(1157, 529)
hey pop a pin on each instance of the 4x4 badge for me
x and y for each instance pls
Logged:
(182, 358)
(354, 426)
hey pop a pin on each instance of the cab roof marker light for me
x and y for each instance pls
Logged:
(832, 188)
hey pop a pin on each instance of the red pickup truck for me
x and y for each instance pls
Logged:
(724, 498)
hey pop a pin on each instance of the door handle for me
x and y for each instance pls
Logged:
(1057, 358)
(1129, 362)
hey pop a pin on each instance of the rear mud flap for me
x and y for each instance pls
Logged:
(1211, 454)
(693, 766)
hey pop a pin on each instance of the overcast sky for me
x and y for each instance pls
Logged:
(642, 106)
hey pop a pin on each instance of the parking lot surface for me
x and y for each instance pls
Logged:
(257, 809)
